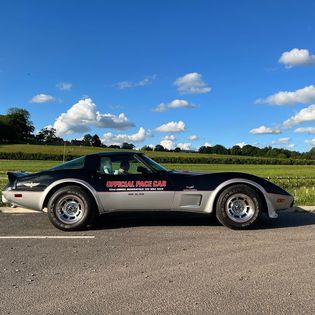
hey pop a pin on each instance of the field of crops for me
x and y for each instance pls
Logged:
(299, 180)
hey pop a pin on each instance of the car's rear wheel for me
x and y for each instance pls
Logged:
(239, 207)
(70, 208)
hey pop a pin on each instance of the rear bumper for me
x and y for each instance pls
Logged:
(24, 199)
(4, 200)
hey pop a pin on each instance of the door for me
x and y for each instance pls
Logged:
(126, 183)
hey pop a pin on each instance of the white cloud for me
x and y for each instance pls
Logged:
(207, 144)
(63, 86)
(310, 130)
(173, 104)
(168, 144)
(192, 83)
(172, 126)
(184, 146)
(262, 130)
(131, 84)
(120, 122)
(193, 138)
(82, 115)
(42, 98)
(170, 137)
(305, 114)
(297, 57)
(281, 141)
(310, 142)
(241, 144)
(302, 96)
(110, 138)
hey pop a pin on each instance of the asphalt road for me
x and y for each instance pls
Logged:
(158, 263)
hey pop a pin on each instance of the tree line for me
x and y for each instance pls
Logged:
(16, 127)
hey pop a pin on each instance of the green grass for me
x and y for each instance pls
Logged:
(259, 170)
(299, 180)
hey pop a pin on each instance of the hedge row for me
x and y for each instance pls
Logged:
(167, 159)
(232, 160)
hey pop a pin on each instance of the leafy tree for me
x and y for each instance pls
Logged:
(236, 150)
(219, 149)
(205, 149)
(7, 132)
(95, 141)
(76, 142)
(159, 147)
(87, 140)
(127, 146)
(47, 135)
(311, 154)
(19, 119)
(250, 150)
(147, 148)
(177, 149)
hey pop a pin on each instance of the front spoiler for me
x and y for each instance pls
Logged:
(276, 202)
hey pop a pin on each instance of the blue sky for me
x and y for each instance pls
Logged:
(213, 69)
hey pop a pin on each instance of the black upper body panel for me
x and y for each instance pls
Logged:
(176, 180)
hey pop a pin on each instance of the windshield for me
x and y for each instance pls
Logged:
(73, 164)
(153, 165)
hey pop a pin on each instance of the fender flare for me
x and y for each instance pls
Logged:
(71, 181)
(210, 207)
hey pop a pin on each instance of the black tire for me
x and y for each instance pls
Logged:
(70, 208)
(239, 207)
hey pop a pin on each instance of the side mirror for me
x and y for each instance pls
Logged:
(142, 170)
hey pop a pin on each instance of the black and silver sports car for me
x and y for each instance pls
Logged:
(74, 193)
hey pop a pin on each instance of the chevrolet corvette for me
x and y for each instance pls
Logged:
(76, 192)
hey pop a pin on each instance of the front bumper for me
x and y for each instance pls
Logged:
(276, 202)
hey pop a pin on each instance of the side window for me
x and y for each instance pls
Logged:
(125, 166)
(73, 164)
(106, 166)
(120, 165)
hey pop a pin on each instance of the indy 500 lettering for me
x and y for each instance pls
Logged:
(142, 185)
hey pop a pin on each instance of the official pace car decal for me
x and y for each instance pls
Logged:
(136, 185)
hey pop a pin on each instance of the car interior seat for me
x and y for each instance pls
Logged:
(107, 166)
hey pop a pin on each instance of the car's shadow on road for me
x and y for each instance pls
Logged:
(157, 218)
(119, 220)
(287, 219)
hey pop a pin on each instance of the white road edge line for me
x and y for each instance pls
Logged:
(47, 237)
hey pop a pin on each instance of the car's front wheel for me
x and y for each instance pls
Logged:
(239, 207)
(70, 208)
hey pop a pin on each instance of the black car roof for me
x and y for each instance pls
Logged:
(113, 153)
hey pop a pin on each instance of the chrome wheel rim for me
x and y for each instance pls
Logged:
(70, 209)
(240, 208)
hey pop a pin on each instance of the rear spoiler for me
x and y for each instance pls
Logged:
(12, 176)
